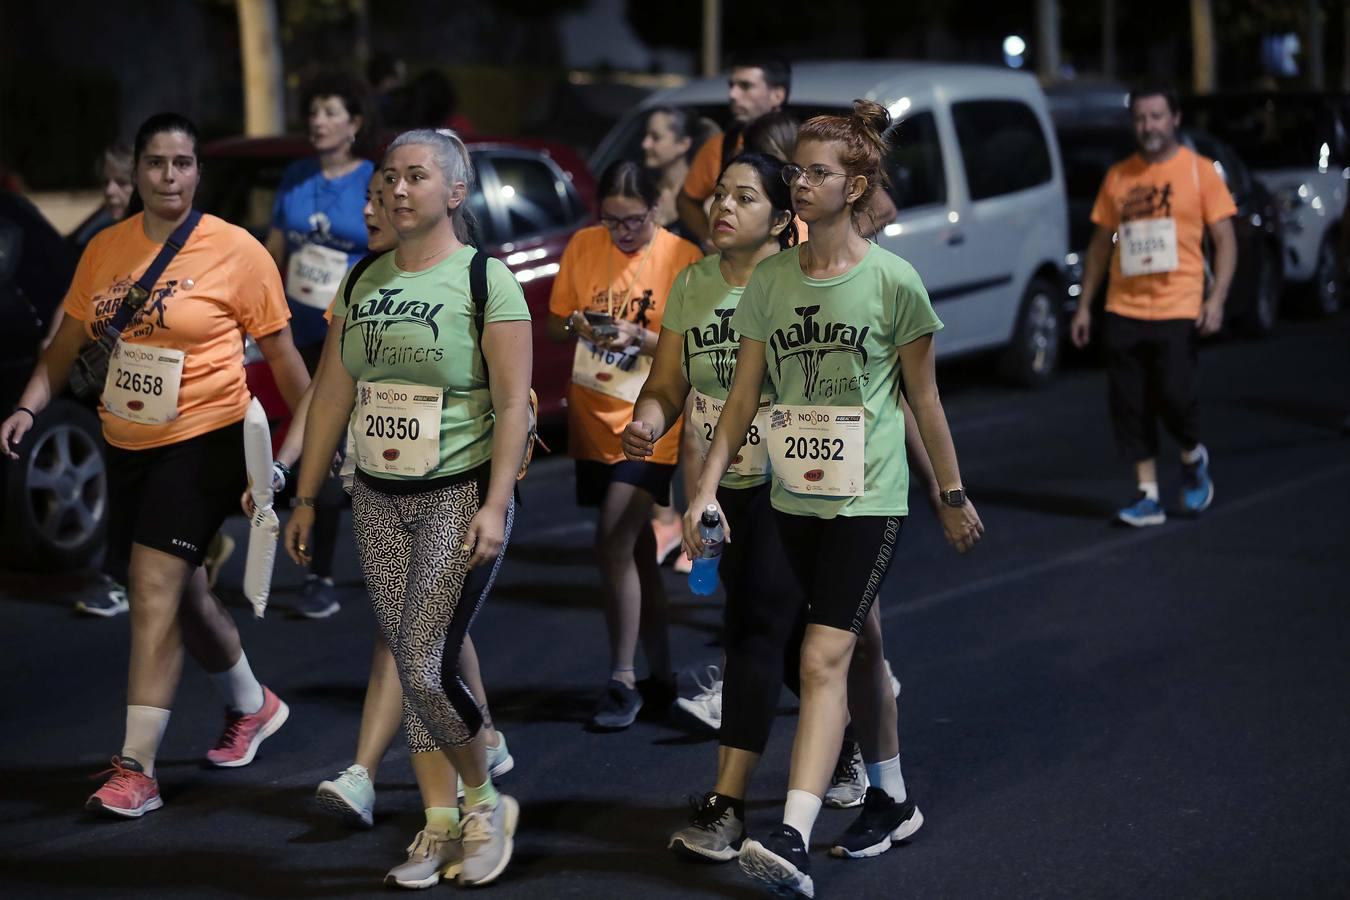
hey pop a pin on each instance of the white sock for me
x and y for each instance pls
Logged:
(241, 690)
(1193, 456)
(145, 729)
(1149, 489)
(886, 775)
(800, 812)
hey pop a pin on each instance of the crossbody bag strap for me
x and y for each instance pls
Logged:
(140, 291)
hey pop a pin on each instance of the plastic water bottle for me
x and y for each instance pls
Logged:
(703, 576)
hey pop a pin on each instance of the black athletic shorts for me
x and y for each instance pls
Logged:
(175, 498)
(841, 563)
(594, 479)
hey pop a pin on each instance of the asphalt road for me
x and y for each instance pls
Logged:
(1087, 711)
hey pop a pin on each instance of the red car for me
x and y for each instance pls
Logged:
(530, 198)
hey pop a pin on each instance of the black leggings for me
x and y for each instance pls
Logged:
(763, 620)
(840, 563)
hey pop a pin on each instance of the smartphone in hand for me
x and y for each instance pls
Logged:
(602, 324)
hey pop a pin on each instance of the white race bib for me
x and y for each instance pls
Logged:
(1148, 247)
(143, 382)
(819, 449)
(313, 274)
(397, 428)
(614, 373)
(753, 458)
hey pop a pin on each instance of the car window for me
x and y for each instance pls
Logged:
(1002, 146)
(241, 190)
(532, 195)
(918, 177)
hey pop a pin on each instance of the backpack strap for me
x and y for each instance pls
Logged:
(352, 278)
(478, 289)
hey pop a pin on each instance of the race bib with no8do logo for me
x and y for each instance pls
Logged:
(313, 274)
(143, 383)
(397, 428)
(818, 449)
(614, 373)
(1148, 247)
(753, 458)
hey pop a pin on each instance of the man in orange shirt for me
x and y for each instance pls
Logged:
(1161, 202)
(756, 85)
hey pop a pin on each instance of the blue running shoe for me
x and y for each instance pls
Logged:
(1197, 491)
(1142, 512)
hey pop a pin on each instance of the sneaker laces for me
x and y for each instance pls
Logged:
(352, 776)
(477, 825)
(704, 814)
(846, 769)
(427, 843)
(121, 776)
(712, 686)
(234, 730)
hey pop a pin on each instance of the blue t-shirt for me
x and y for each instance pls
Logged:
(312, 209)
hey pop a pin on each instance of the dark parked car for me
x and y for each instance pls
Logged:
(1254, 299)
(531, 197)
(56, 493)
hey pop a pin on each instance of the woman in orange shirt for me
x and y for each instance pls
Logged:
(173, 408)
(610, 295)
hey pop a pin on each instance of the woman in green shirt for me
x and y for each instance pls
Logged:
(833, 326)
(438, 445)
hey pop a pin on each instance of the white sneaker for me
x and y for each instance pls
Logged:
(848, 785)
(499, 761)
(706, 705)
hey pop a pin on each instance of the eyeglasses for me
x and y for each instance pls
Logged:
(627, 223)
(815, 175)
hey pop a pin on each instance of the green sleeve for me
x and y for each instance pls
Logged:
(752, 313)
(506, 300)
(914, 315)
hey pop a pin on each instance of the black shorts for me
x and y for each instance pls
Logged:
(841, 564)
(594, 479)
(175, 498)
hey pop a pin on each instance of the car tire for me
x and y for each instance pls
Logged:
(1260, 320)
(56, 492)
(1326, 289)
(1032, 358)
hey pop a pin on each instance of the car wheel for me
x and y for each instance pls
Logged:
(1033, 356)
(1264, 314)
(1326, 285)
(56, 493)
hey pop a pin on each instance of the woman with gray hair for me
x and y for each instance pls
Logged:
(436, 391)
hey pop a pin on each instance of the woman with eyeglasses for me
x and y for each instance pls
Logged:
(609, 296)
(835, 326)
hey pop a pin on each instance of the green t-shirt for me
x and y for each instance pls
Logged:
(417, 328)
(835, 342)
(699, 309)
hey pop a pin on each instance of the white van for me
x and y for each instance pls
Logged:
(977, 181)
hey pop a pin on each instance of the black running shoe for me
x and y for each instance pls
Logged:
(658, 696)
(779, 863)
(881, 822)
(617, 708)
(715, 830)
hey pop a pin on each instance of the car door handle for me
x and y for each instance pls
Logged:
(955, 237)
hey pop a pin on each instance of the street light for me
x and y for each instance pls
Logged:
(1014, 51)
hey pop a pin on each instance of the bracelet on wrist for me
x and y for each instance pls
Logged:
(304, 501)
(23, 409)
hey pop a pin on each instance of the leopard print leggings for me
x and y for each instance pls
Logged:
(425, 597)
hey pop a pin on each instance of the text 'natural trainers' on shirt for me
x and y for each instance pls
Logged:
(245, 731)
(128, 792)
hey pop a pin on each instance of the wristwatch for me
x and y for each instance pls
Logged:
(955, 498)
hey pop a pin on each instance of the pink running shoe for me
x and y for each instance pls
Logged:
(129, 793)
(243, 733)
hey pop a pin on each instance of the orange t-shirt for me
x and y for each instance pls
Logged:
(222, 284)
(591, 265)
(707, 165)
(1189, 190)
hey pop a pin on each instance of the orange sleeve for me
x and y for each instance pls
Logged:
(562, 300)
(1104, 212)
(260, 298)
(703, 171)
(1215, 198)
(79, 299)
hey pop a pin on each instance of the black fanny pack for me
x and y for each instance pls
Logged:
(91, 366)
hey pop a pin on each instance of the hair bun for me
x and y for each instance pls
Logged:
(871, 115)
